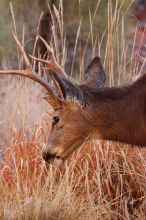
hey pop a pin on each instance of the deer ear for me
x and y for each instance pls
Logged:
(95, 75)
(68, 91)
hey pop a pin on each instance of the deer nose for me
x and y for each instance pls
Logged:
(47, 156)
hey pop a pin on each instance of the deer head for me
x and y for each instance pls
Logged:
(71, 124)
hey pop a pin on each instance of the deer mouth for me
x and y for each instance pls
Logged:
(50, 157)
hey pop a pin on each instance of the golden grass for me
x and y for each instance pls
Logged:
(102, 180)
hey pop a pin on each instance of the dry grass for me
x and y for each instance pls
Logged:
(103, 180)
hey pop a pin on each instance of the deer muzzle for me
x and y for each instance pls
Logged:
(50, 154)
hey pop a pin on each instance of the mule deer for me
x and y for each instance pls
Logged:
(90, 109)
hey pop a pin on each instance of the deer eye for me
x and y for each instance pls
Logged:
(55, 120)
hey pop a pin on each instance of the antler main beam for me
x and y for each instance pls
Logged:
(29, 74)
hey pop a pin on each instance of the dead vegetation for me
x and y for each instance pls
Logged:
(103, 180)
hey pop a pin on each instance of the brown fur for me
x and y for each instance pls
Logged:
(117, 113)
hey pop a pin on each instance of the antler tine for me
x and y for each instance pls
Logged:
(27, 62)
(30, 73)
(47, 46)
(52, 63)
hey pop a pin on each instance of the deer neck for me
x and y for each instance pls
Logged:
(113, 114)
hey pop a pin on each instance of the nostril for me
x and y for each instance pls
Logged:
(47, 156)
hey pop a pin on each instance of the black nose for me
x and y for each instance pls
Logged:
(49, 157)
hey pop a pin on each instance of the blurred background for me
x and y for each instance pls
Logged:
(27, 14)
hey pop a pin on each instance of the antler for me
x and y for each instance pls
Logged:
(30, 73)
(52, 62)
(66, 90)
